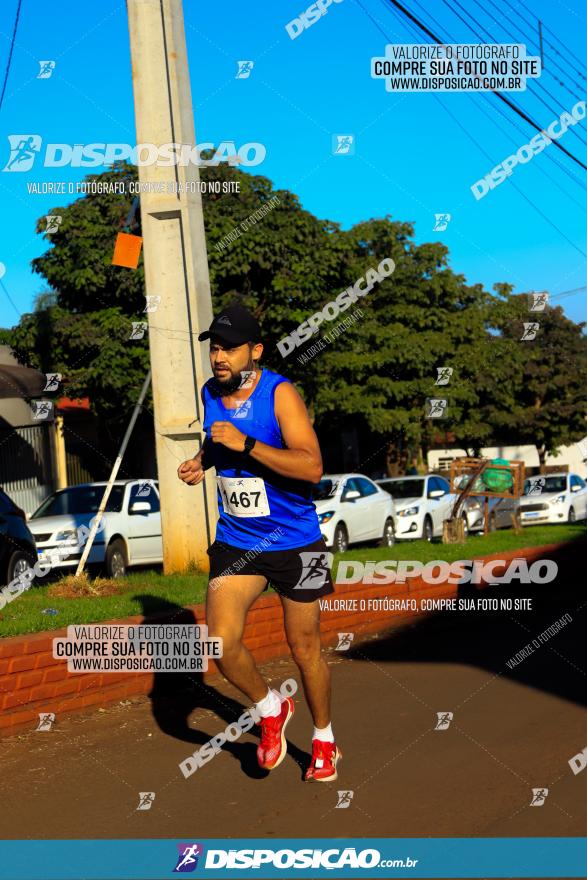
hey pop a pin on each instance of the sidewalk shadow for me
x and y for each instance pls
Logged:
(489, 638)
(175, 696)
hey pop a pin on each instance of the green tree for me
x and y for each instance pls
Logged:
(543, 400)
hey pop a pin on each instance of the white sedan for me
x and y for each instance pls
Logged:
(553, 498)
(352, 508)
(421, 505)
(131, 533)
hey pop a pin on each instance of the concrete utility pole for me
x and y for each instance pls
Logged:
(176, 269)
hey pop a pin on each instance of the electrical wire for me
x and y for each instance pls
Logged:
(499, 95)
(423, 27)
(9, 62)
(530, 89)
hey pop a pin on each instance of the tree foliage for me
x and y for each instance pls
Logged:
(289, 265)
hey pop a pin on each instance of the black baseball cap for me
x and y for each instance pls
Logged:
(234, 324)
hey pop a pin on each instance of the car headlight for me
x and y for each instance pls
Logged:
(409, 511)
(560, 500)
(66, 535)
(325, 517)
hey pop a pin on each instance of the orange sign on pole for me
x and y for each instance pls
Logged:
(127, 250)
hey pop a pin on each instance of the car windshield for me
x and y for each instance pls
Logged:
(404, 488)
(79, 499)
(324, 489)
(545, 484)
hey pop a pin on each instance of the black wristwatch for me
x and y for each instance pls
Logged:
(249, 443)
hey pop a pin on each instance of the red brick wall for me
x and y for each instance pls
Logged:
(31, 681)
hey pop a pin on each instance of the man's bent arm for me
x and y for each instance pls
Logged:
(301, 460)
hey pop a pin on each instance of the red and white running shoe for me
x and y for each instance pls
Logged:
(325, 756)
(273, 747)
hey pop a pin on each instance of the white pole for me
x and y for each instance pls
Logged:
(117, 463)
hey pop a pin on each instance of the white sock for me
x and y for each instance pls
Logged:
(324, 734)
(269, 705)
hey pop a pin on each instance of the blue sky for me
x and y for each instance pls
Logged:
(414, 154)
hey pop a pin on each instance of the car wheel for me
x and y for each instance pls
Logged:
(116, 561)
(492, 523)
(428, 530)
(388, 537)
(572, 516)
(465, 525)
(340, 541)
(19, 562)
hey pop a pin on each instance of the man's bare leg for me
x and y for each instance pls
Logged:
(227, 603)
(302, 629)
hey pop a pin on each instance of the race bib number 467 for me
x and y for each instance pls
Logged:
(244, 496)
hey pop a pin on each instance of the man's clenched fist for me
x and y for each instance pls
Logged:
(228, 435)
(191, 471)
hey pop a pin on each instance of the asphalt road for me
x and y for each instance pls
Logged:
(512, 730)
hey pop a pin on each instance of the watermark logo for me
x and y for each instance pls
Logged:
(152, 303)
(539, 795)
(443, 720)
(247, 379)
(139, 329)
(244, 69)
(536, 486)
(42, 410)
(344, 799)
(530, 331)
(331, 310)
(46, 69)
(53, 222)
(244, 411)
(538, 302)
(146, 799)
(315, 570)
(444, 374)
(579, 761)
(441, 222)
(306, 19)
(343, 144)
(188, 856)
(439, 571)
(52, 383)
(344, 641)
(436, 407)
(46, 720)
(23, 151)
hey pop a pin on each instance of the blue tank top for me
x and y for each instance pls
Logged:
(246, 487)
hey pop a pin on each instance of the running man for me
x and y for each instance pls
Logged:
(266, 454)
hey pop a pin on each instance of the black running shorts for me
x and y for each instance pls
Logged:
(301, 574)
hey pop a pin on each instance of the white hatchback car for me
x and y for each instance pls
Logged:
(352, 508)
(553, 498)
(132, 526)
(421, 505)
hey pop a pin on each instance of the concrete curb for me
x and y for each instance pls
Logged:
(32, 681)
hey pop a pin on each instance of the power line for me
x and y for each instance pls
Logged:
(478, 35)
(548, 41)
(467, 133)
(533, 40)
(501, 112)
(501, 97)
(8, 63)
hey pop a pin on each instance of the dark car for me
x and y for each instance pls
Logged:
(18, 550)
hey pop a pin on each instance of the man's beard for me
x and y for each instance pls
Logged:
(229, 386)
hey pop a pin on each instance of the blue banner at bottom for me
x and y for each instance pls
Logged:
(447, 857)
